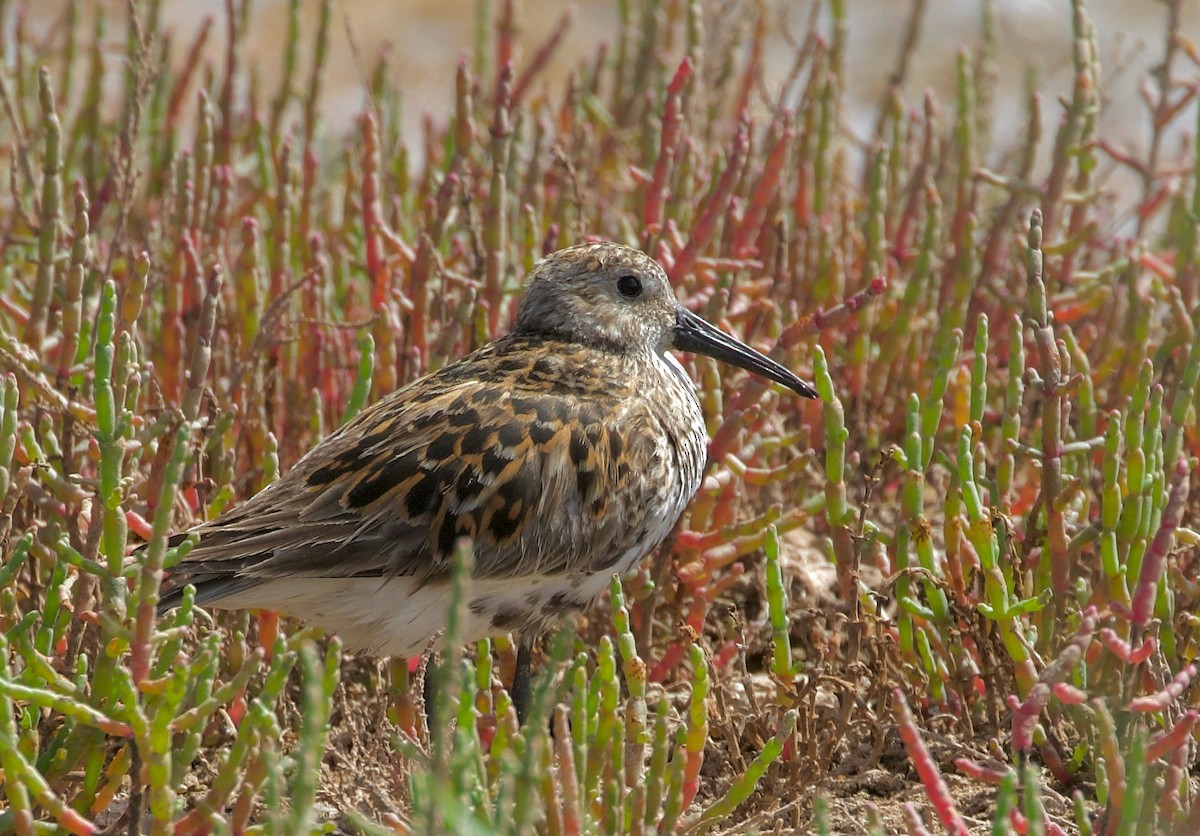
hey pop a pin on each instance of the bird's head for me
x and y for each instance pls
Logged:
(617, 298)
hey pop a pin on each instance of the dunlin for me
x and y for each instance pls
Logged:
(565, 451)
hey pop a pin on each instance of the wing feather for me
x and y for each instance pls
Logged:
(527, 472)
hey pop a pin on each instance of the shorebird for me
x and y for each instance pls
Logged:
(565, 451)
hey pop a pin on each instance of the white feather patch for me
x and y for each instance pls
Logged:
(395, 617)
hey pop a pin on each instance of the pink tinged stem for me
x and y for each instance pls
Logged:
(979, 772)
(1155, 559)
(572, 812)
(1162, 699)
(1069, 694)
(1178, 735)
(542, 56)
(675, 653)
(656, 192)
(715, 208)
(372, 211)
(935, 786)
(912, 817)
(1170, 804)
(1026, 712)
(1123, 650)
(697, 729)
(761, 197)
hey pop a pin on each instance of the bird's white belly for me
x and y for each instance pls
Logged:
(398, 617)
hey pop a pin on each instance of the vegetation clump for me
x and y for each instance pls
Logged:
(199, 280)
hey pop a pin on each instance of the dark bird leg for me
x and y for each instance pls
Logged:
(520, 690)
(429, 690)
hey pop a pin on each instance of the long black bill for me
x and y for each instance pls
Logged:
(697, 335)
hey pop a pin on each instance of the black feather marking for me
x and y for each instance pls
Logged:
(475, 440)
(421, 496)
(510, 364)
(552, 411)
(493, 463)
(504, 523)
(540, 434)
(510, 435)
(585, 482)
(382, 478)
(561, 602)
(522, 488)
(615, 444)
(547, 368)
(524, 406)
(578, 448)
(441, 448)
(328, 473)
(507, 618)
(469, 485)
(446, 537)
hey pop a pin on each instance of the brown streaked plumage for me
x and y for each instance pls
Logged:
(565, 450)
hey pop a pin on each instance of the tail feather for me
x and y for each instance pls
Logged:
(210, 590)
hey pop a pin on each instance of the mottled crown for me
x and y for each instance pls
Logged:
(604, 295)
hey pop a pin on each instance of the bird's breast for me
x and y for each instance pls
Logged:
(664, 448)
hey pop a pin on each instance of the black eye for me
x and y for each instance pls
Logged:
(630, 286)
